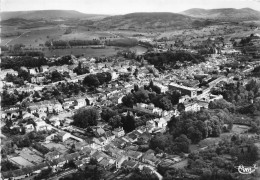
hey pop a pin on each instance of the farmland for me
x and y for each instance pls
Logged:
(88, 52)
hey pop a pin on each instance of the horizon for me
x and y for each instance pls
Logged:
(116, 7)
(122, 14)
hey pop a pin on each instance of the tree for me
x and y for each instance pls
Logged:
(85, 117)
(56, 76)
(165, 103)
(91, 80)
(128, 122)
(115, 121)
(136, 87)
(24, 74)
(156, 89)
(101, 78)
(182, 144)
(180, 107)
(142, 96)
(129, 100)
(159, 141)
(107, 113)
(194, 134)
(44, 174)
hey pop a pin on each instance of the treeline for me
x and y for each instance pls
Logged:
(62, 61)
(27, 53)
(151, 94)
(126, 42)
(62, 43)
(171, 58)
(128, 122)
(29, 61)
(17, 62)
(95, 80)
(244, 98)
(200, 125)
(212, 163)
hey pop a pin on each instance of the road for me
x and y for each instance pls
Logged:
(16, 37)
(63, 174)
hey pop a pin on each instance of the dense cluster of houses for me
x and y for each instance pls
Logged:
(111, 148)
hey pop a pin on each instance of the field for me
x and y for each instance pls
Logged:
(30, 156)
(35, 37)
(21, 161)
(181, 164)
(88, 52)
(59, 147)
(139, 50)
(238, 129)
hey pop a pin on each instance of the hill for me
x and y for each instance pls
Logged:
(47, 15)
(226, 14)
(151, 20)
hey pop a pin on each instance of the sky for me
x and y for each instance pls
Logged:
(124, 6)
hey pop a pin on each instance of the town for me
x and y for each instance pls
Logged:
(175, 111)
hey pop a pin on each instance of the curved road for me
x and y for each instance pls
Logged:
(16, 37)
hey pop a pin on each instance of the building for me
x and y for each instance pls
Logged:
(63, 136)
(44, 69)
(148, 108)
(37, 79)
(192, 92)
(118, 132)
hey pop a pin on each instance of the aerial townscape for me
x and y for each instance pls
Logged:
(140, 96)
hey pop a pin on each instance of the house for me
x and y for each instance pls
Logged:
(37, 79)
(63, 136)
(109, 136)
(57, 107)
(40, 125)
(42, 115)
(120, 160)
(100, 141)
(59, 162)
(80, 103)
(192, 107)
(132, 137)
(150, 124)
(33, 71)
(81, 145)
(148, 108)
(118, 142)
(79, 163)
(129, 164)
(98, 131)
(67, 121)
(29, 128)
(133, 155)
(149, 158)
(52, 155)
(113, 151)
(44, 69)
(161, 123)
(72, 156)
(105, 163)
(50, 137)
(192, 92)
(4, 72)
(145, 137)
(118, 132)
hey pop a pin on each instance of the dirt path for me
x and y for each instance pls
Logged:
(16, 38)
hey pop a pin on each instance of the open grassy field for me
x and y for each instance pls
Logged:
(84, 34)
(35, 37)
(138, 50)
(88, 52)
(181, 164)
(239, 128)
